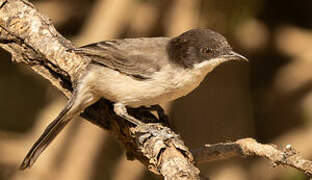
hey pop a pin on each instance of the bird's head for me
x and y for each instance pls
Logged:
(201, 47)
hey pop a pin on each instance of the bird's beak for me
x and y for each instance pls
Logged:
(234, 56)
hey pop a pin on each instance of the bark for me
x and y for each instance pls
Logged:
(249, 147)
(32, 40)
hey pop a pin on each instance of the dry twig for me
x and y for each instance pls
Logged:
(249, 147)
(32, 40)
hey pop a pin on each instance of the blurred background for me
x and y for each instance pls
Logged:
(268, 99)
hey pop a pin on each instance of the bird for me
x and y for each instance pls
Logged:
(136, 72)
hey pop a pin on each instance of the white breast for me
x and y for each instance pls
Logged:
(170, 83)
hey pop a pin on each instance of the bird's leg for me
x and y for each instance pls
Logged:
(121, 110)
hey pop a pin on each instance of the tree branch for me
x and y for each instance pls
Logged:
(249, 147)
(32, 40)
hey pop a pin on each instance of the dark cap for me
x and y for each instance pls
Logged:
(197, 45)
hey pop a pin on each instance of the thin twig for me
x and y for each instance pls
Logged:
(249, 147)
(32, 40)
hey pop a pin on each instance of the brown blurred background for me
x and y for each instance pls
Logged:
(268, 99)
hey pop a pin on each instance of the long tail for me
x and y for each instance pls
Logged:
(48, 135)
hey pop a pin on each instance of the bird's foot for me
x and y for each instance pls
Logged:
(121, 110)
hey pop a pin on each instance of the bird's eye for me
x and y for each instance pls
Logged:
(206, 51)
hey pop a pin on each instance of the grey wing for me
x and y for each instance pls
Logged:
(139, 58)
